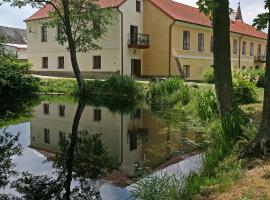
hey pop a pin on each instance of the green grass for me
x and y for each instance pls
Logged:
(114, 87)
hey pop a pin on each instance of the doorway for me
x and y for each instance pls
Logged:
(136, 67)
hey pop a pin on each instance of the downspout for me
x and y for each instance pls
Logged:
(239, 51)
(122, 41)
(170, 45)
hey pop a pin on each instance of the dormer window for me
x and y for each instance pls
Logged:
(138, 6)
(44, 33)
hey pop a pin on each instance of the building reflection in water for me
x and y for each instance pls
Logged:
(135, 139)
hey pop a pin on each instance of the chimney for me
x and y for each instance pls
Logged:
(238, 16)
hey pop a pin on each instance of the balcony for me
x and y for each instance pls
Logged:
(260, 58)
(138, 41)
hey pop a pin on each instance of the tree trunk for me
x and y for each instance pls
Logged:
(73, 143)
(264, 132)
(222, 56)
(72, 48)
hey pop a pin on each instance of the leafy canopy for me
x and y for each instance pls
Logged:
(89, 22)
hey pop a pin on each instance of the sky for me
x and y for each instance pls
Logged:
(14, 17)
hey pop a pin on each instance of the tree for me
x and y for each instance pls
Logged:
(262, 140)
(83, 23)
(219, 12)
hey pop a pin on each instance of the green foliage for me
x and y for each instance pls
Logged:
(206, 105)
(163, 187)
(65, 86)
(208, 76)
(80, 14)
(121, 85)
(15, 77)
(244, 92)
(255, 76)
(168, 93)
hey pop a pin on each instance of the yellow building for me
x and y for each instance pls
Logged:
(146, 38)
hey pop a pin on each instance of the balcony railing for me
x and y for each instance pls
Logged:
(260, 58)
(138, 41)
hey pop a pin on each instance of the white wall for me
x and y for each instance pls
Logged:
(110, 51)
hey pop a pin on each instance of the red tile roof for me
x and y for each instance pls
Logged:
(176, 11)
(185, 13)
(44, 12)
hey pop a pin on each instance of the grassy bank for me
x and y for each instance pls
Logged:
(220, 140)
(115, 87)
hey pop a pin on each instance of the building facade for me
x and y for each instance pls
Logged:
(146, 38)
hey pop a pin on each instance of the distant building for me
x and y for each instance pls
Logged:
(15, 41)
(147, 38)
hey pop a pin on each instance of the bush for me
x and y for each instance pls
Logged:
(244, 92)
(65, 86)
(15, 77)
(121, 85)
(208, 76)
(257, 77)
(168, 93)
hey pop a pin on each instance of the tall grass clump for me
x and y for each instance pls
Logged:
(206, 105)
(156, 187)
(123, 86)
(168, 93)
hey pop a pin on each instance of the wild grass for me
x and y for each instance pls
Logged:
(114, 87)
(167, 93)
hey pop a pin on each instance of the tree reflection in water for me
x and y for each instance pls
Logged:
(9, 147)
(82, 158)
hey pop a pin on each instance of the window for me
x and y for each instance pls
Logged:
(138, 6)
(244, 67)
(200, 42)
(46, 136)
(60, 31)
(61, 110)
(186, 40)
(97, 115)
(244, 48)
(133, 140)
(136, 114)
(259, 51)
(186, 71)
(46, 108)
(252, 49)
(62, 135)
(97, 62)
(45, 62)
(235, 46)
(212, 44)
(61, 62)
(44, 33)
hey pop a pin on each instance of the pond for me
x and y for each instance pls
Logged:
(76, 149)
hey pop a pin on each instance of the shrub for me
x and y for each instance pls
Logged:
(208, 76)
(121, 85)
(257, 77)
(206, 105)
(244, 92)
(15, 77)
(168, 93)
